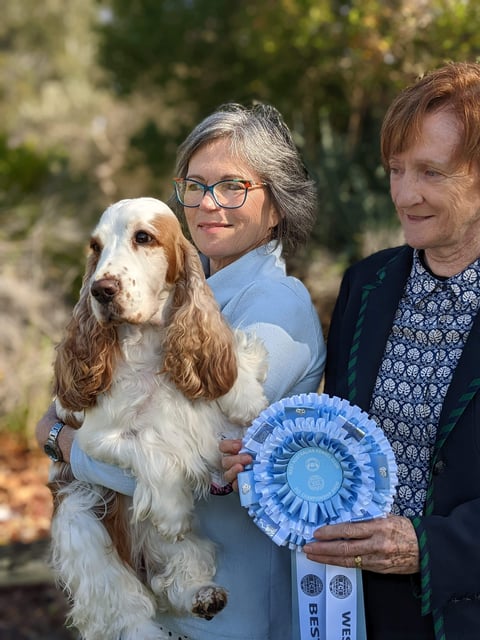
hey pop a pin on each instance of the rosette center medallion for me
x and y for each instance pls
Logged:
(314, 474)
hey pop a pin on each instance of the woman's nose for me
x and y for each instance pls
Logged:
(207, 202)
(406, 190)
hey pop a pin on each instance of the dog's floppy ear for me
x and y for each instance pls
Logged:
(200, 355)
(85, 357)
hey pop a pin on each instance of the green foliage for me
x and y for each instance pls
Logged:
(22, 169)
(38, 194)
(353, 195)
(157, 149)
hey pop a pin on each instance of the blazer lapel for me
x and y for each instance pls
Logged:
(377, 311)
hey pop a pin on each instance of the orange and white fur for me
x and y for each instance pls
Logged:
(152, 374)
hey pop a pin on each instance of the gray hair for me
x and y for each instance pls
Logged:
(259, 136)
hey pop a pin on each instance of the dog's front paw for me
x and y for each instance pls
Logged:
(171, 531)
(168, 511)
(208, 601)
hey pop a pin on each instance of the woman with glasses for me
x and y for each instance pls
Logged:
(247, 201)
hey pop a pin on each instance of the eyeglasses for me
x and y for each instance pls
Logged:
(229, 194)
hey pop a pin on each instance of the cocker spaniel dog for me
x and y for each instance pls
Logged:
(151, 374)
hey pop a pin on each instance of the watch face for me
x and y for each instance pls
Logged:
(51, 452)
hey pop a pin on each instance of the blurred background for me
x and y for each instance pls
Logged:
(94, 98)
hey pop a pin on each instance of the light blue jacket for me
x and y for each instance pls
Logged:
(256, 295)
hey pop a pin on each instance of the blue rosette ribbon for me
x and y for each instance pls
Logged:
(317, 460)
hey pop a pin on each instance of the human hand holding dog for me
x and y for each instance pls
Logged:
(382, 545)
(233, 462)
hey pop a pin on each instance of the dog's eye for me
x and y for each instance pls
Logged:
(95, 246)
(142, 237)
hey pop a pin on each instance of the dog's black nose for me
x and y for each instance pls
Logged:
(105, 290)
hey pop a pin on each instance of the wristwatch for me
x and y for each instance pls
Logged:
(51, 447)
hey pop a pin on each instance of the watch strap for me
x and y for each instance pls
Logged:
(51, 447)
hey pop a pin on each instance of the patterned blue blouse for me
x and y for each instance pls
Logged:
(430, 328)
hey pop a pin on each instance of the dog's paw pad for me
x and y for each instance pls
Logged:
(208, 601)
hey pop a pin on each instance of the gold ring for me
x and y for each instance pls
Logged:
(358, 562)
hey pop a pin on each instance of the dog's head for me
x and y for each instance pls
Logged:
(136, 256)
(143, 271)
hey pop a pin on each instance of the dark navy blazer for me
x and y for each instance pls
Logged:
(443, 600)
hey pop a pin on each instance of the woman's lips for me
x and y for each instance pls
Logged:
(211, 226)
